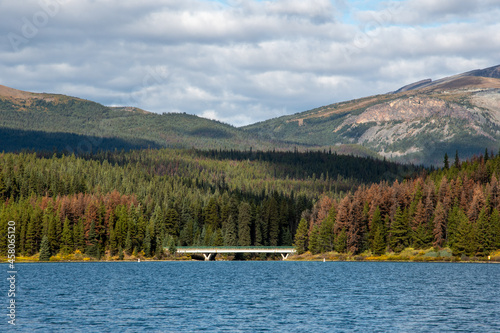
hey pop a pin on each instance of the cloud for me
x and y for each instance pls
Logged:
(239, 61)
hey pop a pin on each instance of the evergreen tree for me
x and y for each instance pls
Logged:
(129, 247)
(399, 231)
(259, 239)
(67, 238)
(171, 221)
(287, 237)
(79, 236)
(172, 249)
(314, 241)
(231, 235)
(485, 235)
(457, 160)
(301, 237)
(274, 222)
(45, 249)
(159, 251)
(92, 243)
(113, 243)
(379, 244)
(147, 243)
(439, 226)
(446, 161)
(465, 240)
(244, 224)
(31, 237)
(53, 232)
(341, 241)
(495, 226)
(211, 214)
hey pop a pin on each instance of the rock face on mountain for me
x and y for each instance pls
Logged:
(417, 123)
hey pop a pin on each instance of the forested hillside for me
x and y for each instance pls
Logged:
(456, 207)
(139, 202)
(50, 121)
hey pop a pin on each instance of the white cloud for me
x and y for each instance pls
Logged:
(243, 61)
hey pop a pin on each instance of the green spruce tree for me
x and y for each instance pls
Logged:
(45, 249)
(301, 237)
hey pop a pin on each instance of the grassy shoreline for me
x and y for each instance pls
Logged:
(407, 255)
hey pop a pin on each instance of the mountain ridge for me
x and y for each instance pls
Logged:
(417, 123)
(77, 125)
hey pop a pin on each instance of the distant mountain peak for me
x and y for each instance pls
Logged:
(457, 81)
(417, 123)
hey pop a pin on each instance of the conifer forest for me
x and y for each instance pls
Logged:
(141, 202)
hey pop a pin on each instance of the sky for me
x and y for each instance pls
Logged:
(240, 61)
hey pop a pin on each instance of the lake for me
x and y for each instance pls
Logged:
(255, 297)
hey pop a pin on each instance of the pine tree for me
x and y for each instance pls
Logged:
(326, 231)
(172, 248)
(92, 243)
(112, 243)
(457, 160)
(439, 231)
(301, 237)
(341, 241)
(495, 226)
(259, 225)
(244, 224)
(314, 240)
(171, 221)
(53, 234)
(274, 222)
(231, 235)
(287, 237)
(446, 161)
(79, 236)
(31, 238)
(45, 249)
(211, 214)
(399, 232)
(379, 244)
(129, 246)
(147, 243)
(464, 240)
(485, 235)
(67, 238)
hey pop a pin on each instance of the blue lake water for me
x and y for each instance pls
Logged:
(255, 297)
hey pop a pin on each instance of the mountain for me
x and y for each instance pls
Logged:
(417, 123)
(51, 121)
(41, 122)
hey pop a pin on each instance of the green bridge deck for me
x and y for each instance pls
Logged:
(208, 251)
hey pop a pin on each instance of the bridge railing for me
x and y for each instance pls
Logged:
(237, 247)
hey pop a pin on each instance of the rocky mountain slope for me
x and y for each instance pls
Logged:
(417, 123)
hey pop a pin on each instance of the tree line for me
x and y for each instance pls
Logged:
(456, 207)
(145, 200)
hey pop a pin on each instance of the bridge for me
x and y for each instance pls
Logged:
(208, 251)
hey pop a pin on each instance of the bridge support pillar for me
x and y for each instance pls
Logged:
(284, 256)
(207, 256)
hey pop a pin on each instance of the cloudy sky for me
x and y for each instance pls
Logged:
(240, 61)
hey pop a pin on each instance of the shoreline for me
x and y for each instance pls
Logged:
(479, 261)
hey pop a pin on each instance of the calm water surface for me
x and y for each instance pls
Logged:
(256, 297)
